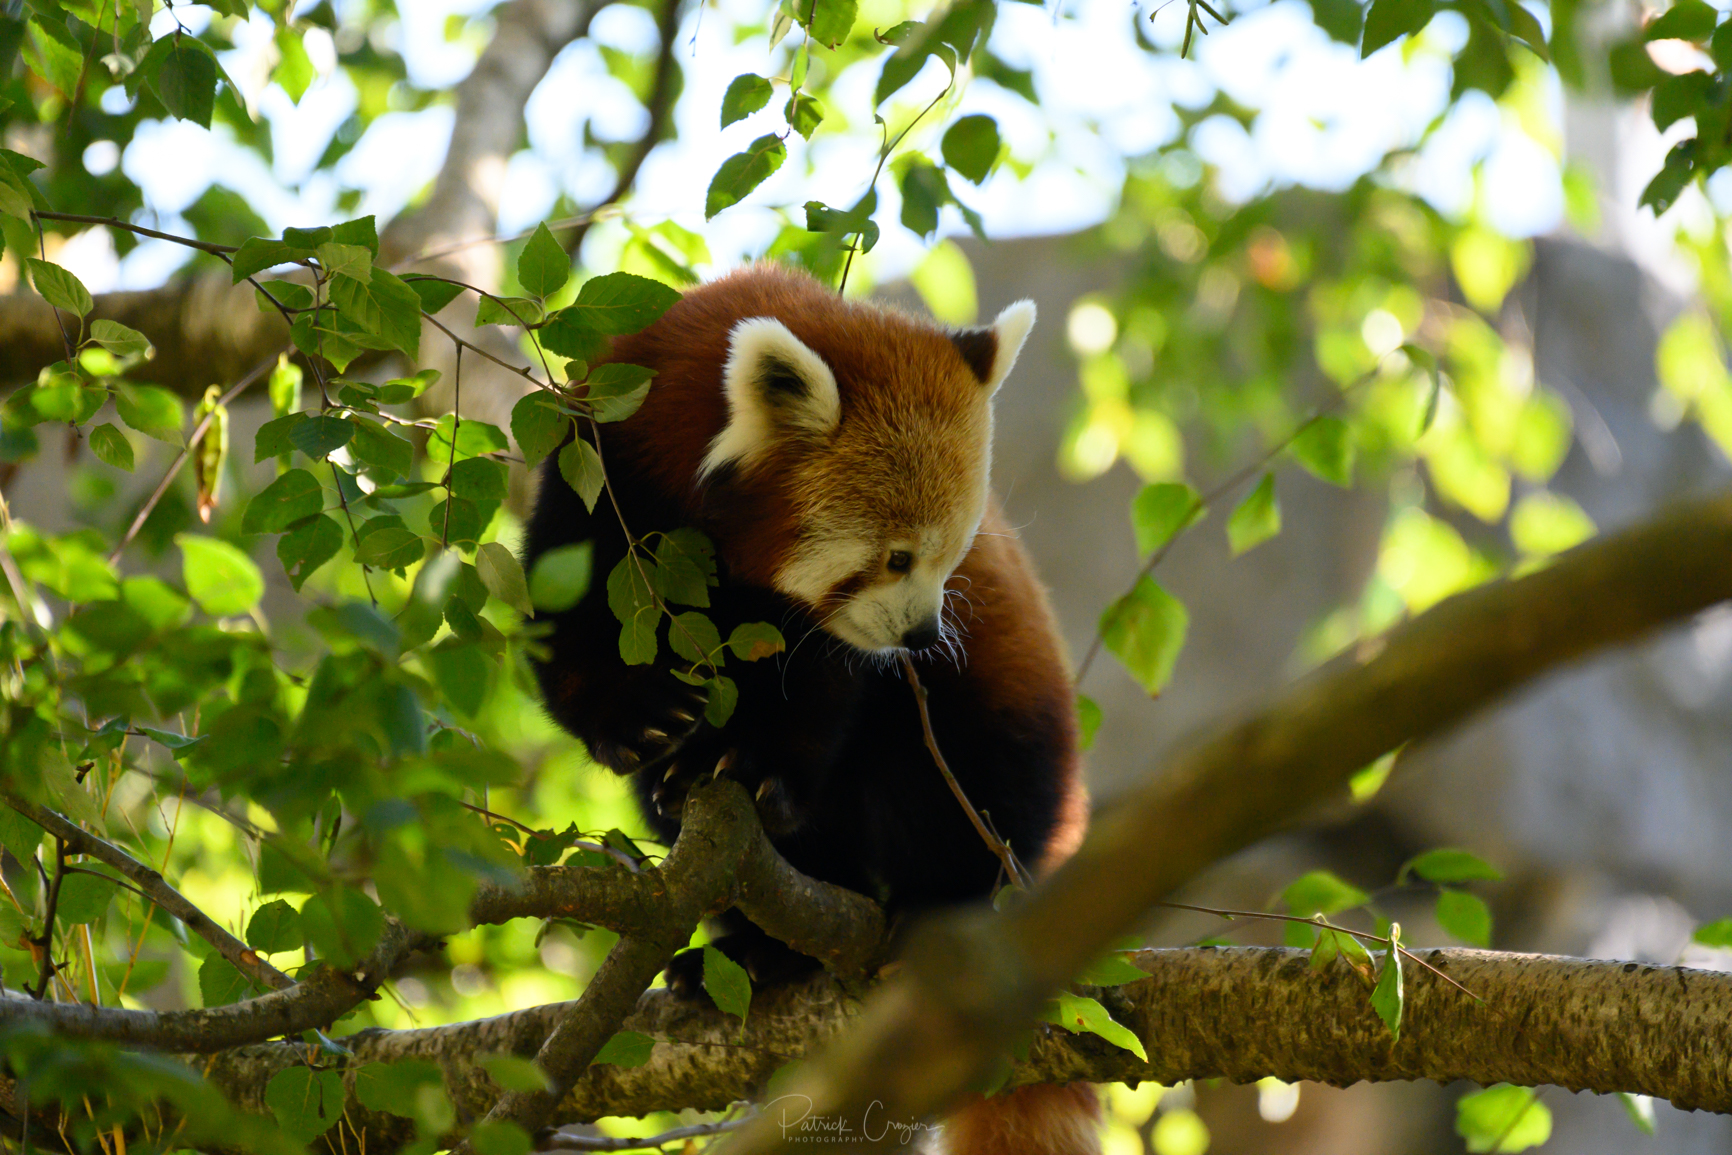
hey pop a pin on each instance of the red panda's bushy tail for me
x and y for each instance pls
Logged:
(1042, 1119)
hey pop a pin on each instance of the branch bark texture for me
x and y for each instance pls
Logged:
(936, 1027)
(1240, 1013)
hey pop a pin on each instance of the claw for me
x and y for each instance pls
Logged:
(672, 770)
(651, 734)
(722, 764)
(765, 787)
(629, 758)
(684, 717)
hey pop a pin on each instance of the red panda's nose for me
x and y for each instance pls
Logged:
(921, 637)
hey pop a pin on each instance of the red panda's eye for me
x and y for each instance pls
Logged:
(901, 561)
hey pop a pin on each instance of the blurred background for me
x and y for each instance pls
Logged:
(1221, 247)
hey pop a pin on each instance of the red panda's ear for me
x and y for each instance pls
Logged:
(991, 352)
(775, 386)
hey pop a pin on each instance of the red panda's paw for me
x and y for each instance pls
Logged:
(653, 734)
(768, 962)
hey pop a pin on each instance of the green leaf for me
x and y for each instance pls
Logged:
(59, 287)
(151, 411)
(1145, 630)
(384, 545)
(295, 495)
(538, 425)
(743, 172)
(463, 675)
(480, 479)
(399, 1088)
(20, 835)
(1079, 1014)
(685, 568)
(1257, 519)
(1684, 20)
(971, 145)
(499, 1137)
(257, 254)
(616, 391)
(473, 439)
(15, 193)
(221, 579)
(1632, 69)
(1321, 892)
(1502, 1118)
(84, 898)
(305, 1102)
(1389, 19)
(620, 303)
(1111, 970)
(1325, 448)
(626, 1049)
(632, 601)
(694, 637)
(580, 466)
(543, 267)
(560, 577)
(727, 984)
(121, 340)
(1465, 916)
(1640, 1109)
(499, 571)
(274, 927)
(570, 335)
(51, 52)
(1448, 865)
(319, 436)
(352, 261)
(342, 925)
(1388, 997)
(184, 78)
(751, 641)
(747, 94)
(804, 114)
(831, 20)
(1162, 511)
(1089, 718)
(110, 445)
(1715, 934)
(433, 293)
(274, 437)
(491, 310)
(220, 982)
(515, 1074)
(377, 446)
(305, 548)
(724, 695)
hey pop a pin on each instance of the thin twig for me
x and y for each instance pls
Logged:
(1000, 848)
(1203, 502)
(116, 223)
(47, 939)
(198, 433)
(1363, 935)
(456, 425)
(152, 886)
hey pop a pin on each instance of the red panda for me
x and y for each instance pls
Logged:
(837, 455)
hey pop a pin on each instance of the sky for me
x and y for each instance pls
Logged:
(1325, 118)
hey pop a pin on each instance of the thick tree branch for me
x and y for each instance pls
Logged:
(1238, 1012)
(80, 841)
(973, 981)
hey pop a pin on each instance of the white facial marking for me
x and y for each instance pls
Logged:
(774, 383)
(819, 565)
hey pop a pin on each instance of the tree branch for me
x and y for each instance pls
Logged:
(973, 981)
(151, 883)
(1240, 1013)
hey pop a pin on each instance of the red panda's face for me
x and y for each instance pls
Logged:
(887, 465)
